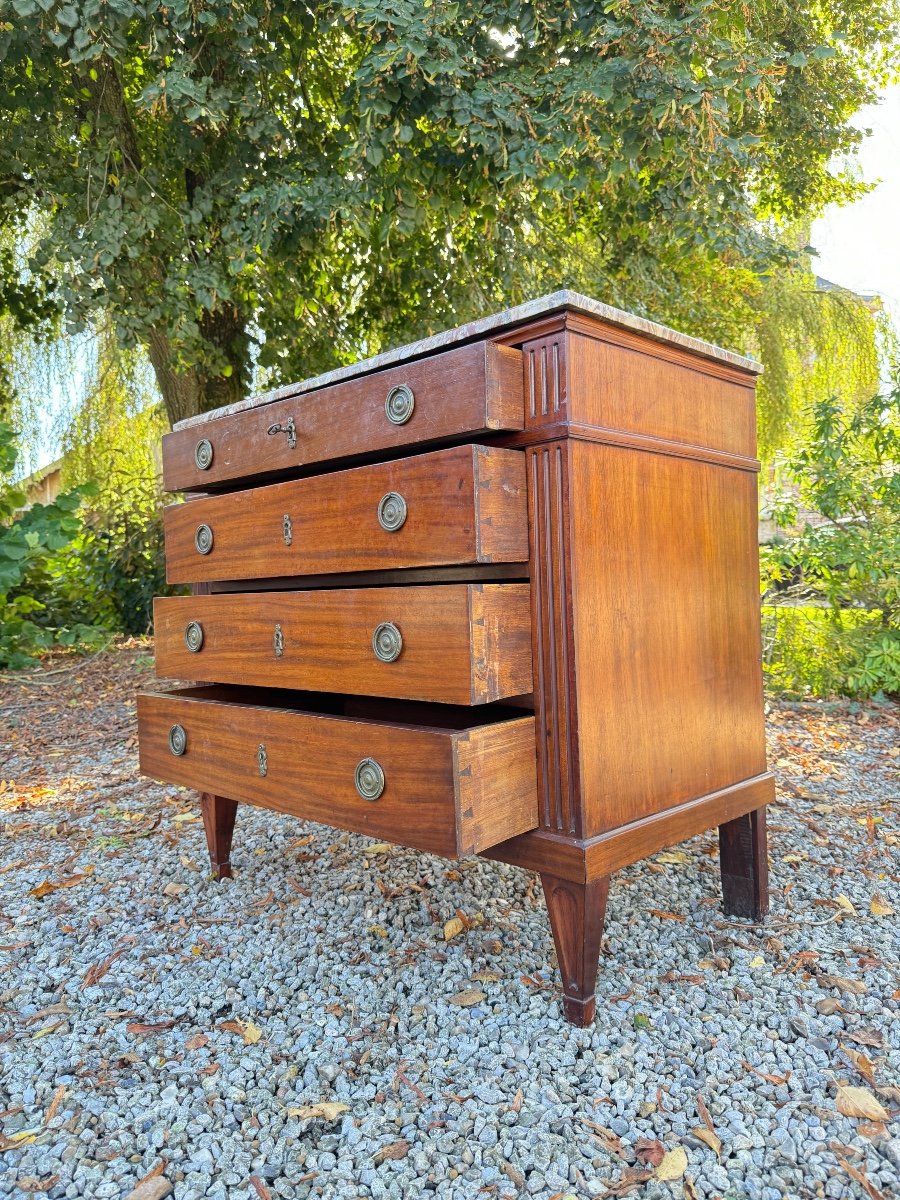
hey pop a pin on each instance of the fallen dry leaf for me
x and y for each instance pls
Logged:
(866, 1037)
(197, 1042)
(629, 1181)
(145, 1027)
(879, 907)
(829, 1006)
(854, 986)
(260, 1188)
(673, 1165)
(862, 1062)
(649, 1151)
(395, 1151)
(610, 1141)
(48, 886)
(325, 1110)
(32, 1184)
(151, 1189)
(710, 1138)
(453, 928)
(672, 856)
(846, 904)
(666, 916)
(467, 997)
(860, 1103)
(251, 1033)
(486, 975)
(55, 1103)
(174, 889)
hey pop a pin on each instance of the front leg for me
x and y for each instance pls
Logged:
(218, 822)
(743, 857)
(577, 912)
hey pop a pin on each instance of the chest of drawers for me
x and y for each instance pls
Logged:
(492, 593)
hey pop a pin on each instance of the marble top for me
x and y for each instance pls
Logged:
(541, 307)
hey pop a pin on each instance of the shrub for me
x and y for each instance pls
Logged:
(42, 601)
(848, 566)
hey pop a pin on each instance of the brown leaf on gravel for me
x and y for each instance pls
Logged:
(607, 1139)
(649, 1151)
(55, 1103)
(260, 1188)
(829, 1006)
(512, 1174)
(32, 1184)
(144, 1027)
(862, 1062)
(197, 1042)
(673, 1165)
(467, 997)
(860, 1103)
(629, 1181)
(854, 986)
(709, 1137)
(666, 916)
(394, 1152)
(859, 1175)
(866, 1037)
(49, 885)
(151, 1189)
(879, 907)
(777, 1080)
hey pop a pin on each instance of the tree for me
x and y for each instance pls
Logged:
(245, 182)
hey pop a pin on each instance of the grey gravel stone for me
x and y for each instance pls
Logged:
(349, 987)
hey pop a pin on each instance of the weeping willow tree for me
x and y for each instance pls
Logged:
(815, 342)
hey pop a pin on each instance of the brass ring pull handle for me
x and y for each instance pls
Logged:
(369, 779)
(290, 429)
(193, 636)
(203, 454)
(399, 404)
(391, 512)
(203, 539)
(387, 642)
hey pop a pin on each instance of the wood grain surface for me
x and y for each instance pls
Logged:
(449, 791)
(464, 505)
(466, 391)
(460, 644)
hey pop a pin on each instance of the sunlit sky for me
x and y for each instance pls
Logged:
(859, 245)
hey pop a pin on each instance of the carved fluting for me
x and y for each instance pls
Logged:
(545, 391)
(552, 639)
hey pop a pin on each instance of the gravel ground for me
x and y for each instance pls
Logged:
(152, 1020)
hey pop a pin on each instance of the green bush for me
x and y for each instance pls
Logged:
(815, 651)
(43, 600)
(846, 637)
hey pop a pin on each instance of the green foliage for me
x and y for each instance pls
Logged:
(112, 443)
(40, 604)
(256, 181)
(814, 651)
(849, 473)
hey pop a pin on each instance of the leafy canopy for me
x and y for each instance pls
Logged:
(261, 181)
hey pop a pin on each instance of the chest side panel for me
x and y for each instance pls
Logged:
(666, 627)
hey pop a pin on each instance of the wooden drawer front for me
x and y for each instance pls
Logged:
(463, 505)
(452, 791)
(454, 643)
(466, 391)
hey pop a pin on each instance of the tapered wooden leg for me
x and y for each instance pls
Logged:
(577, 912)
(745, 869)
(218, 821)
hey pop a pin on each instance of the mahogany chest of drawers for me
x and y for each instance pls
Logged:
(492, 593)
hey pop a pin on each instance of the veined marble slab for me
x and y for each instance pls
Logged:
(485, 325)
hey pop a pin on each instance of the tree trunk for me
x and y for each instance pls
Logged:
(187, 393)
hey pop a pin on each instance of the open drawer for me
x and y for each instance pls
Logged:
(449, 780)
